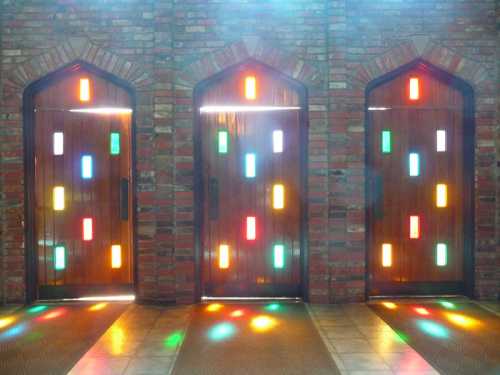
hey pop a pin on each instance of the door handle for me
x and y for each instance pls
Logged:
(379, 197)
(213, 199)
(124, 199)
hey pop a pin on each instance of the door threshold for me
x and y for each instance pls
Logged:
(211, 298)
(103, 298)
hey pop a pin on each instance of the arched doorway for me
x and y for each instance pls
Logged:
(420, 152)
(79, 201)
(250, 184)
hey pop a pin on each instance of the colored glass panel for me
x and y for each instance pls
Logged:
(440, 140)
(114, 143)
(223, 141)
(58, 198)
(88, 231)
(58, 143)
(223, 256)
(250, 168)
(386, 141)
(279, 256)
(278, 197)
(414, 164)
(441, 195)
(84, 90)
(414, 227)
(441, 254)
(414, 88)
(277, 141)
(59, 257)
(250, 88)
(116, 256)
(87, 166)
(386, 255)
(251, 228)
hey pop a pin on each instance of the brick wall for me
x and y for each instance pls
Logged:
(165, 47)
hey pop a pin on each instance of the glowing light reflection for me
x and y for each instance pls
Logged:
(14, 331)
(7, 321)
(263, 323)
(98, 306)
(221, 331)
(463, 321)
(421, 311)
(37, 309)
(103, 110)
(243, 108)
(273, 307)
(213, 307)
(433, 329)
(53, 314)
(174, 339)
(448, 305)
(237, 314)
(117, 340)
(389, 305)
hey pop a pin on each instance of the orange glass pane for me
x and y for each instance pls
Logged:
(414, 227)
(250, 88)
(223, 256)
(84, 90)
(414, 88)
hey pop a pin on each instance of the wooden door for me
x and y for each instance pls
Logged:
(417, 188)
(250, 161)
(82, 186)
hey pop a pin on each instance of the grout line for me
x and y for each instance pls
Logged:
(338, 362)
(179, 347)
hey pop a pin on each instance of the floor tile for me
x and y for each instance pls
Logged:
(342, 332)
(407, 361)
(101, 366)
(363, 361)
(352, 346)
(149, 366)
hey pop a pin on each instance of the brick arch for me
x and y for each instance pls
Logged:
(73, 50)
(422, 48)
(250, 49)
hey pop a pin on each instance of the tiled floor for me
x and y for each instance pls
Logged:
(144, 340)
(363, 344)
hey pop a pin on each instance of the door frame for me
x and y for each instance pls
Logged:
(199, 91)
(431, 288)
(31, 263)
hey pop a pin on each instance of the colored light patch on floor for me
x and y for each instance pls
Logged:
(263, 323)
(174, 339)
(273, 307)
(448, 305)
(213, 307)
(37, 309)
(98, 306)
(462, 320)
(389, 305)
(53, 314)
(421, 311)
(7, 321)
(237, 314)
(14, 331)
(433, 329)
(221, 331)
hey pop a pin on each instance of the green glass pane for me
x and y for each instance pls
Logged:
(279, 256)
(386, 141)
(59, 257)
(441, 254)
(223, 139)
(114, 144)
(414, 164)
